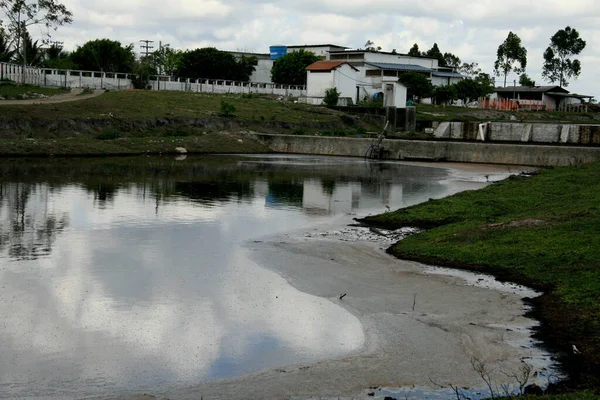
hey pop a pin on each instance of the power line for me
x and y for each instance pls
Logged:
(146, 47)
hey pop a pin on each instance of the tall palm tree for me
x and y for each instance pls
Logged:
(35, 54)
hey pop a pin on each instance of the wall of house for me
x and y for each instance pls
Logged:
(262, 73)
(321, 51)
(442, 81)
(343, 78)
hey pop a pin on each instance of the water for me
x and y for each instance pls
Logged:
(129, 274)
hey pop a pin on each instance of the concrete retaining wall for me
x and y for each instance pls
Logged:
(471, 152)
(520, 132)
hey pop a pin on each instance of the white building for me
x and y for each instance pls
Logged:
(323, 75)
(321, 50)
(262, 72)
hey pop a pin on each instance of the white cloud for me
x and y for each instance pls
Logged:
(468, 28)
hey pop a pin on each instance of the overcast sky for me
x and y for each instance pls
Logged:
(471, 29)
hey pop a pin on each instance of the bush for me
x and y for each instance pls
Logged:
(227, 109)
(331, 97)
(108, 134)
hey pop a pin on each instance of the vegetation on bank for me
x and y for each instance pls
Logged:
(541, 230)
(208, 143)
(11, 91)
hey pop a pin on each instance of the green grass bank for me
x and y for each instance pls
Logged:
(138, 122)
(542, 231)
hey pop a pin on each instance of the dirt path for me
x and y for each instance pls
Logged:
(74, 95)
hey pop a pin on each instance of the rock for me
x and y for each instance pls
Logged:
(181, 150)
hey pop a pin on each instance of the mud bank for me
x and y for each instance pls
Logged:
(419, 326)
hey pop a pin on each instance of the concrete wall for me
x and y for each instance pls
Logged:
(520, 132)
(118, 81)
(343, 78)
(262, 72)
(492, 153)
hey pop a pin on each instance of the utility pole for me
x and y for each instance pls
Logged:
(146, 47)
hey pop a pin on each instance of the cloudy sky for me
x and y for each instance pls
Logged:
(471, 29)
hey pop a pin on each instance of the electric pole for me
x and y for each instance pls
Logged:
(146, 47)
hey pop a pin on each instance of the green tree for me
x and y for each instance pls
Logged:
(166, 60)
(451, 60)
(370, 46)
(510, 52)
(210, 63)
(558, 66)
(6, 52)
(445, 94)
(30, 54)
(434, 52)
(104, 55)
(525, 80)
(470, 69)
(414, 51)
(24, 13)
(474, 88)
(331, 97)
(291, 68)
(417, 85)
(57, 58)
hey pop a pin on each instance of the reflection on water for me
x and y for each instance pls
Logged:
(128, 274)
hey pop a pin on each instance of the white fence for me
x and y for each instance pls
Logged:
(119, 81)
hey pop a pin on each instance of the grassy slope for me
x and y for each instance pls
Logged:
(144, 105)
(130, 118)
(11, 91)
(542, 230)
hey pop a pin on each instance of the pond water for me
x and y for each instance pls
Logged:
(129, 274)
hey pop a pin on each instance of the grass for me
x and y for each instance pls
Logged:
(12, 91)
(543, 231)
(428, 112)
(108, 142)
(145, 105)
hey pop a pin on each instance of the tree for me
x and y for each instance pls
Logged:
(166, 60)
(417, 85)
(558, 66)
(474, 88)
(6, 52)
(210, 63)
(370, 46)
(291, 68)
(452, 61)
(414, 51)
(22, 13)
(104, 55)
(31, 54)
(57, 58)
(470, 69)
(445, 94)
(509, 53)
(434, 52)
(525, 80)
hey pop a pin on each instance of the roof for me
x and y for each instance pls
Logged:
(574, 95)
(379, 51)
(317, 45)
(400, 67)
(444, 74)
(530, 89)
(324, 66)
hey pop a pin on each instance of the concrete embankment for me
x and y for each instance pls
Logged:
(431, 150)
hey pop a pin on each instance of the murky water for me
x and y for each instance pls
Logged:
(128, 274)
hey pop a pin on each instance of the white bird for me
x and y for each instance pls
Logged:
(576, 350)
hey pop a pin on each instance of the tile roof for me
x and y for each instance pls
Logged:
(400, 67)
(324, 65)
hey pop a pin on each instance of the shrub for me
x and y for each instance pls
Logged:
(227, 109)
(331, 97)
(109, 134)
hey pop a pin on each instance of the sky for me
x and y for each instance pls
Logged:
(470, 29)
